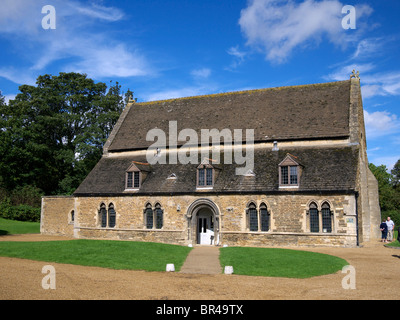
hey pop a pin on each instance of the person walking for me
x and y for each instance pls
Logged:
(390, 229)
(383, 228)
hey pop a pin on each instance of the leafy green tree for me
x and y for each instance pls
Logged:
(387, 194)
(396, 175)
(3, 141)
(53, 133)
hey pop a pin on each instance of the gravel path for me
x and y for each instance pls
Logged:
(202, 260)
(377, 277)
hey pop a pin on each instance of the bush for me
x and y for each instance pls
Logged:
(394, 215)
(21, 212)
(26, 195)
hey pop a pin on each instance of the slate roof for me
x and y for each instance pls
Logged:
(285, 113)
(323, 169)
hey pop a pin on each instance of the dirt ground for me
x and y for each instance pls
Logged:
(377, 276)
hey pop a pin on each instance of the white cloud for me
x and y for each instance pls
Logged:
(373, 83)
(238, 57)
(370, 90)
(388, 161)
(174, 93)
(77, 44)
(380, 84)
(367, 48)
(234, 51)
(344, 72)
(109, 61)
(16, 17)
(380, 123)
(99, 12)
(374, 149)
(201, 73)
(279, 27)
(16, 76)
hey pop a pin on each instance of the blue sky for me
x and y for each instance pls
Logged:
(166, 49)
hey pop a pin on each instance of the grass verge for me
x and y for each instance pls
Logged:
(100, 253)
(271, 262)
(395, 243)
(18, 227)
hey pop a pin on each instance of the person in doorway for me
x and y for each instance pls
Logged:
(390, 229)
(383, 228)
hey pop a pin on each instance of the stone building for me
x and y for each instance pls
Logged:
(291, 169)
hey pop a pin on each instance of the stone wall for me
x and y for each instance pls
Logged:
(56, 218)
(367, 185)
(289, 219)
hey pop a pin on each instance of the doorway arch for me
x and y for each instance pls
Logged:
(203, 222)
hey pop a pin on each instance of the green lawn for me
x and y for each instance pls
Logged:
(155, 256)
(101, 253)
(395, 243)
(271, 262)
(18, 227)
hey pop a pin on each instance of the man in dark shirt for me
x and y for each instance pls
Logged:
(383, 228)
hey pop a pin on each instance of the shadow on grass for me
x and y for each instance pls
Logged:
(3, 232)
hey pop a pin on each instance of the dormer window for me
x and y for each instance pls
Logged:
(289, 175)
(133, 180)
(206, 175)
(289, 172)
(135, 175)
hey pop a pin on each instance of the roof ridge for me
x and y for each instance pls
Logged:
(321, 84)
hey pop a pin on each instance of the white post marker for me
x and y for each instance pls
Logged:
(228, 270)
(170, 267)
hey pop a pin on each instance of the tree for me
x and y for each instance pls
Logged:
(396, 175)
(57, 130)
(2, 140)
(387, 195)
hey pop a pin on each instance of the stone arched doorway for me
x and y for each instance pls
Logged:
(203, 223)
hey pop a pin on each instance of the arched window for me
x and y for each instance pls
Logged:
(314, 217)
(72, 216)
(264, 217)
(149, 216)
(159, 216)
(103, 215)
(253, 217)
(111, 216)
(107, 218)
(326, 217)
